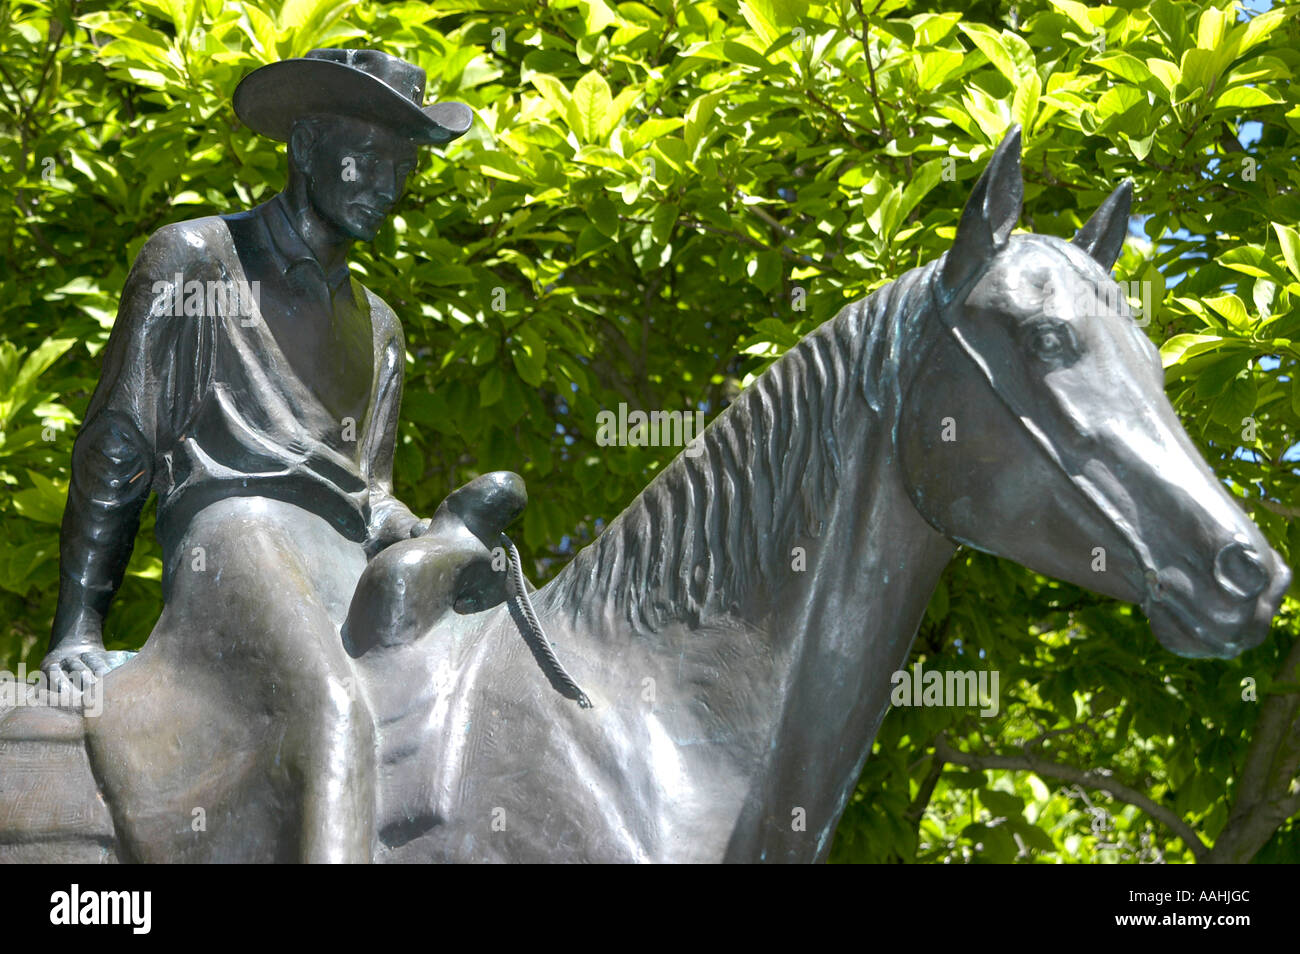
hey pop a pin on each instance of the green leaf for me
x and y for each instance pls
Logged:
(43, 502)
(1213, 378)
(1118, 100)
(39, 360)
(1078, 12)
(590, 240)
(1125, 66)
(1245, 97)
(1232, 308)
(1181, 347)
(1025, 103)
(1141, 148)
(655, 127)
(1210, 28)
(1263, 293)
(1002, 803)
(603, 215)
(700, 118)
(769, 19)
(1260, 26)
(1254, 261)
(529, 356)
(618, 109)
(596, 15)
(962, 779)
(936, 66)
(765, 270)
(661, 227)
(592, 104)
(1290, 241)
(990, 44)
(557, 97)
(924, 179)
(744, 54)
(490, 387)
(1033, 836)
(1236, 401)
(1166, 72)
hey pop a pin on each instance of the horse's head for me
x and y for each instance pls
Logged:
(1036, 428)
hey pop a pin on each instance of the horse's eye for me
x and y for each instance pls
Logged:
(1052, 342)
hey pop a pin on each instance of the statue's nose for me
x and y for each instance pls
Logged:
(1240, 570)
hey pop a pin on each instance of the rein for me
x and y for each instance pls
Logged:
(531, 629)
(1090, 492)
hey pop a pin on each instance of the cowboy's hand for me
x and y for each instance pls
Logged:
(74, 667)
(399, 525)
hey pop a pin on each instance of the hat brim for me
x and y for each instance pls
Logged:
(271, 98)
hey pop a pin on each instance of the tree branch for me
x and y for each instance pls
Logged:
(1282, 510)
(916, 811)
(1088, 779)
(1263, 799)
(844, 121)
(871, 71)
(785, 251)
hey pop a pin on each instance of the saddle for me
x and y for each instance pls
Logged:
(456, 565)
(51, 805)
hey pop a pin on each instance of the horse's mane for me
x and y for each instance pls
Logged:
(709, 527)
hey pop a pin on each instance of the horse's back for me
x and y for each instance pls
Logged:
(491, 764)
(51, 809)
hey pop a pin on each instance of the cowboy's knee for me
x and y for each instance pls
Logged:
(333, 702)
(408, 588)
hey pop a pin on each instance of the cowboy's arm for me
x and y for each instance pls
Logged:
(390, 519)
(112, 473)
(485, 506)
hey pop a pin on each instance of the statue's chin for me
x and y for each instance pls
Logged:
(348, 219)
(361, 233)
(1178, 632)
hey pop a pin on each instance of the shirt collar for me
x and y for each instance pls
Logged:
(289, 247)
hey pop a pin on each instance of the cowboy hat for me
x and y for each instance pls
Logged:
(365, 84)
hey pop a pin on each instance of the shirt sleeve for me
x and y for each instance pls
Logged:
(153, 362)
(390, 519)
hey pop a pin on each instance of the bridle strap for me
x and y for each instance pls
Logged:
(1086, 487)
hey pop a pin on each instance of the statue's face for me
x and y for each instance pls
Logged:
(1073, 462)
(355, 170)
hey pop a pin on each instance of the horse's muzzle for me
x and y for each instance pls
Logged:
(1225, 620)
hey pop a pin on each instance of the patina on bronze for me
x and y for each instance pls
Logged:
(255, 387)
(975, 400)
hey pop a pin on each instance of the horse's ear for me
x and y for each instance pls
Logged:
(1102, 236)
(991, 213)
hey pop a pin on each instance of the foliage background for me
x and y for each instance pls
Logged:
(649, 189)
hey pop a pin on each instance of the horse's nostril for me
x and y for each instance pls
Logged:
(1154, 586)
(1240, 571)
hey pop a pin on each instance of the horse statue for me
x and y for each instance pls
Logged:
(737, 626)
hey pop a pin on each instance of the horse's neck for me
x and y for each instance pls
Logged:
(847, 623)
(771, 586)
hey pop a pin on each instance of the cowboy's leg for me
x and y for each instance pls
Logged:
(457, 564)
(278, 580)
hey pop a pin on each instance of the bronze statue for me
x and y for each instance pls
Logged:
(735, 691)
(254, 386)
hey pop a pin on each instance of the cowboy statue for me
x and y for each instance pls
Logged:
(254, 385)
